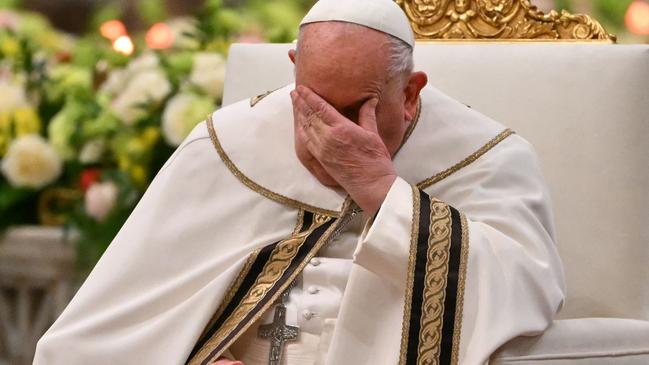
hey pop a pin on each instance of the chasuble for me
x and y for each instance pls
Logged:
(459, 259)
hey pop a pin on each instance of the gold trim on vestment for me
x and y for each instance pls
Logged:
(461, 281)
(300, 222)
(279, 261)
(435, 281)
(412, 258)
(467, 161)
(277, 264)
(229, 294)
(256, 187)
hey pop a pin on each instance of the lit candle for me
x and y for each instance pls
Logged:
(124, 45)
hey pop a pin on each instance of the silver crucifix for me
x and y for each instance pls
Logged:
(278, 332)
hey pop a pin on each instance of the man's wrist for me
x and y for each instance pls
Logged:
(371, 197)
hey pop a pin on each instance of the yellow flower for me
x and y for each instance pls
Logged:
(10, 47)
(124, 163)
(5, 132)
(139, 175)
(26, 121)
(150, 136)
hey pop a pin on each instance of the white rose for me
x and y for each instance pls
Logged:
(100, 199)
(147, 61)
(31, 162)
(92, 151)
(11, 97)
(119, 78)
(184, 30)
(115, 82)
(147, 87)
(208, 74)
(182, 114)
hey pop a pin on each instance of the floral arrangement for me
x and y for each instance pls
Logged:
(86, 123)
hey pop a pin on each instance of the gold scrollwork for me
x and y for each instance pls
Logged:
(498, 20)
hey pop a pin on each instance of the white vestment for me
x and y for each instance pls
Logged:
(459, 259)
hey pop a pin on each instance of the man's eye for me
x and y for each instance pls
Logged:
(351, 115)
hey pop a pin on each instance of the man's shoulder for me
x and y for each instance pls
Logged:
(249, 112)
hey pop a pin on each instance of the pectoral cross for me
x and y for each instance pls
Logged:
(278, 332)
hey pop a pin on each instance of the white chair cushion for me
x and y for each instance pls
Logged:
(592, 341)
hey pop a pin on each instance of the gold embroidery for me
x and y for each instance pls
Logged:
(242, 274)
(300, 222)
(281, 257)
(435, 280)
(256, 187)
(265, 279)
(255, 99)
(467, 161)
(414, 235)
(459, 304)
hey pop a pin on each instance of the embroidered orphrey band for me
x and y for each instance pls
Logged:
(435, 284)
(275, 267)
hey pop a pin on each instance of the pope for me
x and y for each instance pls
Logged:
(358, 216)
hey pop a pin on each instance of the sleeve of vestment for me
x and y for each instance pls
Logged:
(473, 276)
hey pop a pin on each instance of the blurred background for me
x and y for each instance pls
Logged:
(95, 95)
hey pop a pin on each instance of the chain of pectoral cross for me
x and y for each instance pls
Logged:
(278, 332)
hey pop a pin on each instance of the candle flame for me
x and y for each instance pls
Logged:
(124, 45)
(637, 17)
(160, 36)
(112, 29)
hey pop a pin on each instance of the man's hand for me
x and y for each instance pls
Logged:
(352, 154)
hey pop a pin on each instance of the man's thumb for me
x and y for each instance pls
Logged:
(367, 116)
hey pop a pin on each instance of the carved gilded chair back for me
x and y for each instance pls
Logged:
(498, 20)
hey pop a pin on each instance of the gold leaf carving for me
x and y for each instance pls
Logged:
(497, 20)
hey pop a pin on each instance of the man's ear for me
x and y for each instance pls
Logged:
(416, 82)
(291, 55)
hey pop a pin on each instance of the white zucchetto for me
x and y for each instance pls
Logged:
(382, 15)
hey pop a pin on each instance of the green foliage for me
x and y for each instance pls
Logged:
(9, 4)
(563, 5)
(611, 13)
(81, 91)
(110, 11)
(152, 11)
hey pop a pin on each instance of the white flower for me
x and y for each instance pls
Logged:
(184, 30)
(148, 87)
(11, 97)
(92, 151)
(115, 82)
(100, 199)
(31, 162)
(209, 74)
(147, 61)
(119, 78)
(182, 114)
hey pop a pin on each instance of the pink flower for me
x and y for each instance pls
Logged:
(100, 199)
(9, 20)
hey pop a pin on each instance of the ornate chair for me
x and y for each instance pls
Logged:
(560, 82)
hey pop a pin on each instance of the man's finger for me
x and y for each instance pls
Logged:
(308, 128)
(306, 116)
(319, 106)
(367, 116)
